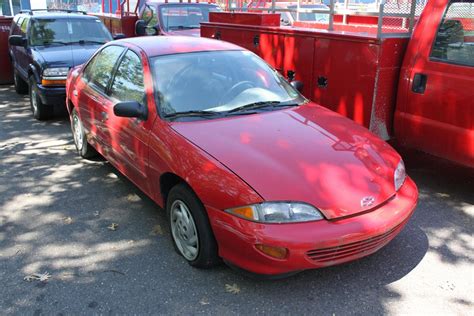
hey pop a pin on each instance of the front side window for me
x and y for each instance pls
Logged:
(454, 41)
(99, 70)
(128, 83)
(64, 31)
(218, 81)
(181, 17)
(149, 16)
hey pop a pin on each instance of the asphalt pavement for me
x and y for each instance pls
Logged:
(56, 210)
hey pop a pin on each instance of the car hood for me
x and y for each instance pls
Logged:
(65, 56)
(308, 154)
(190, 32)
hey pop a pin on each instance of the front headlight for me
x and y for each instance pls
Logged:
(56, 72)
(399, 175)
(278, 212)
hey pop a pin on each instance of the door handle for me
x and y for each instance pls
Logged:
(105, 116)
(419, 83)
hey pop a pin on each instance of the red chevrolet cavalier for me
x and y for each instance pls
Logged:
(247, 169)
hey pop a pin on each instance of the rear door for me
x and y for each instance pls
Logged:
(439, 109)
(91, 91)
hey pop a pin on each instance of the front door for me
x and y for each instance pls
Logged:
(129, 136)
(440, 105)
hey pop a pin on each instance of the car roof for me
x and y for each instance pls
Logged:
(161, 2)
(168, 45)
(57, 15)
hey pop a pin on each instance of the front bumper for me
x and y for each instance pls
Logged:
(52, 95)
(312, 244)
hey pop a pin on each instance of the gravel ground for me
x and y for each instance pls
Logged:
(55, 209)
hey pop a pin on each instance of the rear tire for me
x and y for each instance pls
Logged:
(190, 228)
(21, 87)
(40, 110)
(84, 149)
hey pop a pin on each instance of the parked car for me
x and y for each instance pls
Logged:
(247, 169)
(44, 45)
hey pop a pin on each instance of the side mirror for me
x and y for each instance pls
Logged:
(298, 85)
(131, 109)
(119, 36)
(17, 40)
(140, 28)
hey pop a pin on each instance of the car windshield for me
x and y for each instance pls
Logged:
(66, 31)
(181, 17)
(219, 82)
(314, 17)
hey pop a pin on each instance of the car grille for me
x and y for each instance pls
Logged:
(358, 248)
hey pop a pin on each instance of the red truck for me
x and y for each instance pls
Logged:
(158, 17)
(417, 90)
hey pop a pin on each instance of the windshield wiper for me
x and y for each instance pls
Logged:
(82, 42)
(182, 27)
(46, 43)
(192, 113)
(261, 104)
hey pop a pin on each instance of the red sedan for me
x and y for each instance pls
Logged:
(248, 170)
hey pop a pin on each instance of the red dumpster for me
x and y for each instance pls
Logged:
(6, 73)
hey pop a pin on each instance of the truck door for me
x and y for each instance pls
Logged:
(437, 115)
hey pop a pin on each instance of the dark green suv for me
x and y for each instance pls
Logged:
(44, 45)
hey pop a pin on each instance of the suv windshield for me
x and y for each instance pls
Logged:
(66, 31)
(179, 17)
(219, 82)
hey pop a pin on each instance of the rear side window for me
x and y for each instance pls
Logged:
(454, 41)
(128, 83)
(99, 70)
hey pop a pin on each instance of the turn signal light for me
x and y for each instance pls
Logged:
(46, 82)
(245, 212)
(275, 252)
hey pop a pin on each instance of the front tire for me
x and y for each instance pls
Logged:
(40, 110)
(21, 87)
(190, 228)
(84, 149)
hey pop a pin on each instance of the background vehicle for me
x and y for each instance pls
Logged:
(154, 17)
(247, 169)
(411, 85)
(44, 45)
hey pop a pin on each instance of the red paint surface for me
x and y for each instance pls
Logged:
(307, 154)
(6, 73)
(245, 18)
(366, 82)
(440, 121)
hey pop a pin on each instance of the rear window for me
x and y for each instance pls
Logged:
(66, 31)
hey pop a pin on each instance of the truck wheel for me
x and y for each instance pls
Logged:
(190, 228)
(40, 111)
(21, 87)
(80, 140)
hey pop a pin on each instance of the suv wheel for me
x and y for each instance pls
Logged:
(40, 110)
(21, 87)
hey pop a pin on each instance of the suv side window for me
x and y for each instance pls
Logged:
(128, 83)
(99, 70)
(454, 41)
